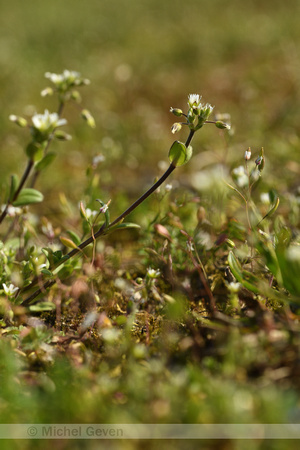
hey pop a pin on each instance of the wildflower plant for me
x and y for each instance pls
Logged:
(43, 129)
(46, 127)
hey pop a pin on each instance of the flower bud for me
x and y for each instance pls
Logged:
(47, 91)
(76, 96)
(247, 155)
(201, 214)
(176, 127)
(18, 120)
(260, 161)
(87, 116)
(222, 125)
(176, 111)
(62, 136)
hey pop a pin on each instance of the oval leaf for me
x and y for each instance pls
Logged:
(242, 275)
(68, 242)
(28, 196)
(75, 238)
(14, 183)
(42, 306)
(46, 161)
(179, 154)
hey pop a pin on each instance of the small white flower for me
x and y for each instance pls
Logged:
(103, 208)
(67, 78)
(152, 273)
(234, 287)
(194, 100)
(9, 290)
(54, 77)
(12, 211)
(90, 214)
(265, 198)
(98, 159)
(168, 187)
(47, 121)
(240, 177)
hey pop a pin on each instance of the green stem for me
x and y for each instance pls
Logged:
(16, 194)
(104, 229)
(37, 172)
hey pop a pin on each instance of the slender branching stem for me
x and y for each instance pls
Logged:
(104, 229)
(20, 187)
(37, 172)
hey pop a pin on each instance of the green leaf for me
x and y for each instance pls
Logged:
(35, 151)
(47, 272)
(14, 183)
(68, 242)
(46, 161)
(75, 238)
(28, 196)
(271, 211)
(42, 306)
(289, 263)
(122, 226)
(244, 277)
(179, 154)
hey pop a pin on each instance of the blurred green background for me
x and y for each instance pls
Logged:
(142, 58)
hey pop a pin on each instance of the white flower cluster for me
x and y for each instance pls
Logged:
(12, 211)
(69, 77)
(240, 176)
(194, 102)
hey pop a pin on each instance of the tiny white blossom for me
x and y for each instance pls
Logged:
(68, 77)
(234, 287)
(240, 176)
(103, 208)
(168, 187)
(265, 198)
(9, 290)
(98, 159)
(90, 214)
(194, 100)
(47, 121)
(12, 211)
(152, 273)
